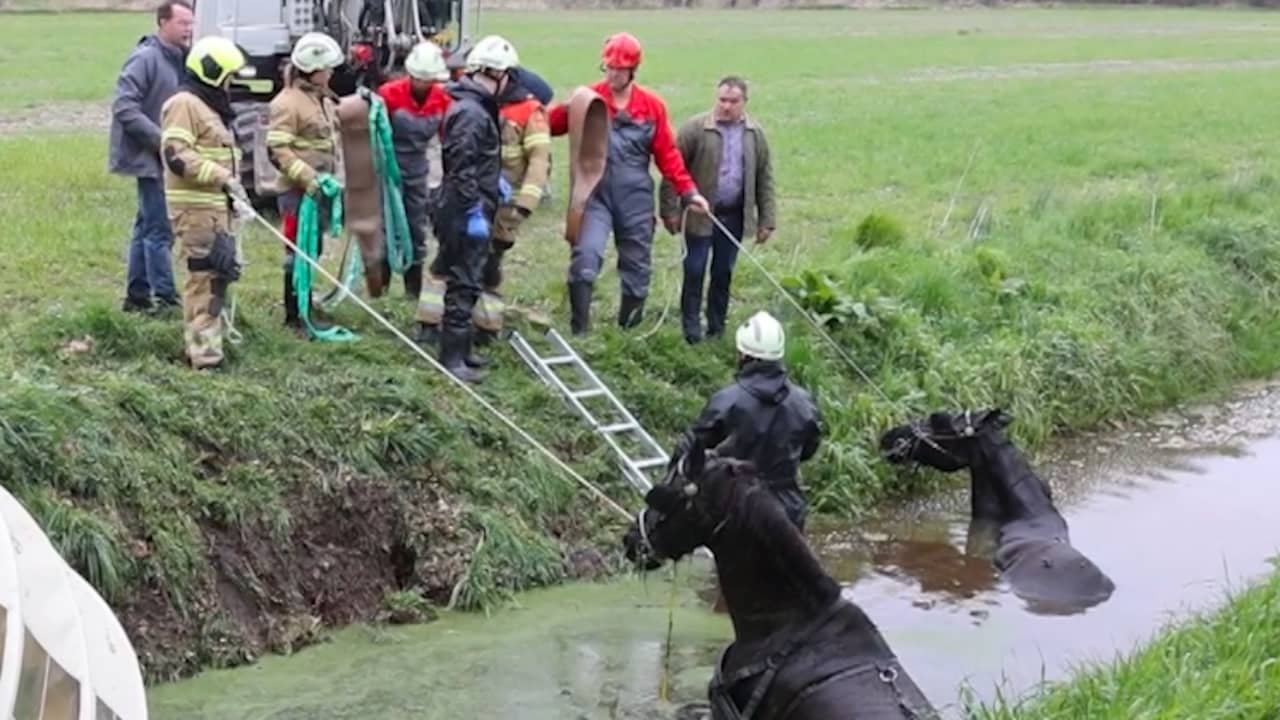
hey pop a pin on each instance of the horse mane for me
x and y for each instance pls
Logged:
(758, 516)
(1003, 457)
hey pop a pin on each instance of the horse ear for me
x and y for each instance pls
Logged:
(694, 461)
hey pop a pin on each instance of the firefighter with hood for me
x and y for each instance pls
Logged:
(302, 143)
(526, 167)
(762, 417)
(470, 196)
(201, 162)
(415, 105)
(623, 202)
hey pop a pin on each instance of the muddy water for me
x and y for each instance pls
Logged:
(1176, 512)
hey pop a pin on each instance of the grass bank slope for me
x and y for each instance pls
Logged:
(1068, 213)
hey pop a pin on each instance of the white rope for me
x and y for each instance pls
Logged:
(244, 209)
(684, 253)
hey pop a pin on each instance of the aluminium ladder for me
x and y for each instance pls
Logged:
(652, 457)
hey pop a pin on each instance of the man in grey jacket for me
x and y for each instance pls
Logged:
(149, 77)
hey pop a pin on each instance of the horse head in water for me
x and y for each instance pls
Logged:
(1033, 547)
(801, 651)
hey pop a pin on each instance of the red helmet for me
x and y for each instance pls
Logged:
(621, 51)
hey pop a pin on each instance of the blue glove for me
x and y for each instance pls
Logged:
(477, 225)
(504, 190)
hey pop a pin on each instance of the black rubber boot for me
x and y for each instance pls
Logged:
(413, 281)
(455, 347)
(425, 334)
(630, 312)
(291, 317)
(580, 302)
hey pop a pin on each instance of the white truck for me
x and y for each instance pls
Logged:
(376, 34)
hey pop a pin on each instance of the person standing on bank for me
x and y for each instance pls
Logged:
(728, 155)
(470, 196)
(149, 77)
(622, 204)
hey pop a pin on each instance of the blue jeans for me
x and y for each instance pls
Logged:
(150, 268)
(723, 255)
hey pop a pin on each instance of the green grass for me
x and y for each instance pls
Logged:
(1224, 664)
(1110, 247)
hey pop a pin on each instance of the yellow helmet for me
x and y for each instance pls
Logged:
(213, 58)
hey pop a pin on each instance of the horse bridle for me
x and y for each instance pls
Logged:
(919, 436)
(646, 548)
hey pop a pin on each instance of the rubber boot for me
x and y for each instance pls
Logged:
(631, 311)
(580, 302)
(455, 346)
(291, 317)
(413, 281)
(425, 334)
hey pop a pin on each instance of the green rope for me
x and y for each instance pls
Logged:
(308, 241)
(399, 242)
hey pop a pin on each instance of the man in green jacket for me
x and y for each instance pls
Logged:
(728, 156)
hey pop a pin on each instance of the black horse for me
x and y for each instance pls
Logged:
(800, 651)
(1033, 549)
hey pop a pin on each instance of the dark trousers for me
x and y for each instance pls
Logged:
(150, 270)
(462, 258)
(723, 254)
(416, 198)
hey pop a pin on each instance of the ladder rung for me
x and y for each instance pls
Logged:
(559, 360)
(619, 427)
(651, 462)
(583, 394)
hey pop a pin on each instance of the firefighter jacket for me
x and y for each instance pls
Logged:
(526, 146)
(198, 149)
(302, 134)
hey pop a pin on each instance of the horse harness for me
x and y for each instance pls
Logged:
(722, 702)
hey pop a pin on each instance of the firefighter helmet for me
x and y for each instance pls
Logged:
(762, 336)
(492, 53)
(213, 59)
(426, 62)
(316, 51)
(621, 51)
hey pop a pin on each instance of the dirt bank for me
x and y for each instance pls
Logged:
(273, 586)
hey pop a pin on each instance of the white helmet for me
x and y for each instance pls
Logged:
(761, 336)
(316, 51)
(492, 53)
(426, 62)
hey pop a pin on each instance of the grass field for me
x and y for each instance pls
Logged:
(1065, 212)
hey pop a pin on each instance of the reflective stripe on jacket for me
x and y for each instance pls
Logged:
(526, 150)
(302, 134)
(205, 151)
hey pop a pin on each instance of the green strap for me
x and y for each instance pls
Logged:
(399, 242)
(308, 241)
